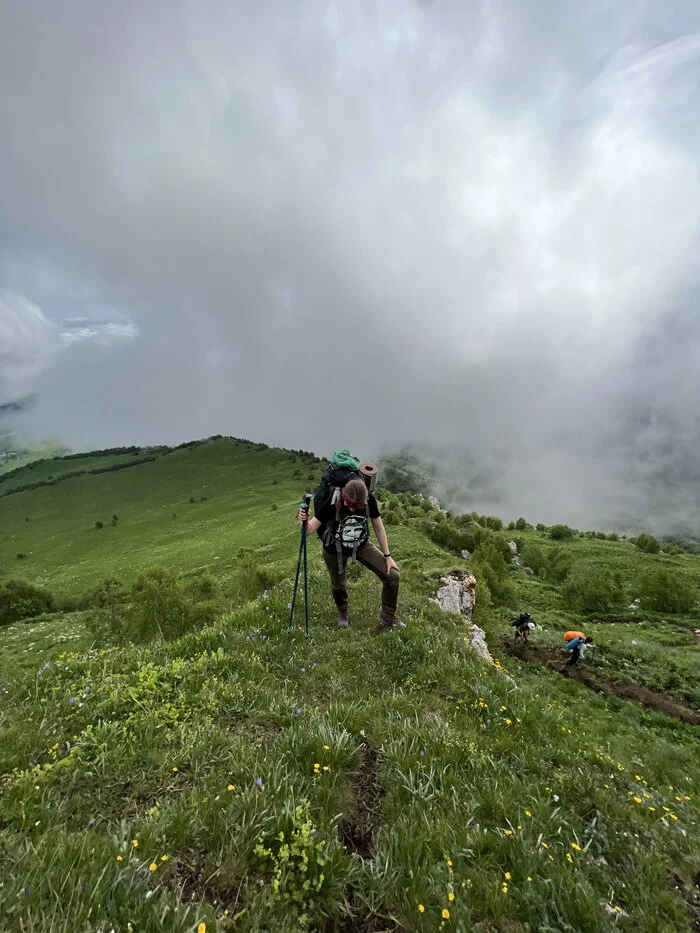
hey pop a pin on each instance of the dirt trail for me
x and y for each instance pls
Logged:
(551, 658)
(364, 820)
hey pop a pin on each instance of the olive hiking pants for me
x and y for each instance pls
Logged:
(371, 557)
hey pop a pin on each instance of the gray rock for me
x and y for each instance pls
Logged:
(513, 548)
(529, 571)
(465, 555)
(457, 594)
(434, 501)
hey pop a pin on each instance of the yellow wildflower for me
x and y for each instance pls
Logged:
(653, 809)
(575, 846)
(326, 768)
(569, 858)
(667, 809)
(445, 914)
(135, 843)
(673, 816)
(507, 876)
(175, 770)
(421, 909)
(119, 858)
(326, 748)
(231, 787)
(152, 866)
(508, 832)
(527, 813)
(201, 928)
(504, 888)
(544, 845)
(450, 896)
(529, 878)
(637, 799)
(449, 863)
(164, 858)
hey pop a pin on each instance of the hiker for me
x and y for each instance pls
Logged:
(341, 518)
(523, 625)
(577, 645)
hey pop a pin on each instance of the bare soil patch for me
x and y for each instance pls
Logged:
(551, 658)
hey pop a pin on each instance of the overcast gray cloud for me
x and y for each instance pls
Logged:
(368, 224)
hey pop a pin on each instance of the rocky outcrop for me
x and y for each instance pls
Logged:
(458, 594)
(514, 559)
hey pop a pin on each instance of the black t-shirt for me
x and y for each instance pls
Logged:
(327, 514)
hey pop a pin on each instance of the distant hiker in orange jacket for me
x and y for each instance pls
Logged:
(577, 645)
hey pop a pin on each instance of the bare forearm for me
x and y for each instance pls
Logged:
(380, 532)
(312, 525)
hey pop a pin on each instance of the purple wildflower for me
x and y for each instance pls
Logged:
(259, 781)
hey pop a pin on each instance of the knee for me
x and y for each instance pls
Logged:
(394, 577)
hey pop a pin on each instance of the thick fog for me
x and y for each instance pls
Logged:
(469, 225)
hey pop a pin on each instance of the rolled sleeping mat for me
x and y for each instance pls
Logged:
(369, 473)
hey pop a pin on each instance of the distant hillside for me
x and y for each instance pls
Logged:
(173, 757)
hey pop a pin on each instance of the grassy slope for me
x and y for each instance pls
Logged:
(478, 785)
(660, 653)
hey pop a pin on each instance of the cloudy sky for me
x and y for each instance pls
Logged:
(325, 224)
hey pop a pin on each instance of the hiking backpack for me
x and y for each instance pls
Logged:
(350, 532)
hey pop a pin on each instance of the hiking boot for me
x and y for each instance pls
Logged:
(343, 618)
(391, 621)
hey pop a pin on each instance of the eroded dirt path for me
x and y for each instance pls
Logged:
(551, 658)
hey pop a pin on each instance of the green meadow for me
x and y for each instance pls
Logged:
(213, 770)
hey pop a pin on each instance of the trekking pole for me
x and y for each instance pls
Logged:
(302, 551)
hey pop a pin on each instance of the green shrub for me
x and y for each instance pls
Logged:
(593, 589)
(492, 562)
(665, 591)
(520, 524)
(99, 524)
(559, 564)
(612, 536)
(157, 607)
(249, 576)
(533, 556)
(108, 600)
(540, 527)
(561, 532)
(20, 600)
(647, 543)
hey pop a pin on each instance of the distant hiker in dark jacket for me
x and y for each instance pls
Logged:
(577, 646)
(344, 532)
(523, 625)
